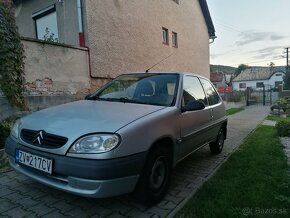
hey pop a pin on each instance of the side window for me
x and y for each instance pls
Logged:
(211, 94)
(192, 90)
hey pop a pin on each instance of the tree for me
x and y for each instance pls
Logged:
(241, 68)
(272, 67)
(11, 57)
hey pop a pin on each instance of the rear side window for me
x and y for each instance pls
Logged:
(192, 90)
(211, 94)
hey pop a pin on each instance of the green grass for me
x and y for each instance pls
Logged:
(233, 111)
(253, 182)
(278, 118)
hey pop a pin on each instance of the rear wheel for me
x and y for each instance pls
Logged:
(216, 147)
(153, 183)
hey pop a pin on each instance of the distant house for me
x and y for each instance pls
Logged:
(218, 79)
(222, 81)
(257, 77)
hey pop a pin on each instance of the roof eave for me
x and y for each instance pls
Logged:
(208, 20)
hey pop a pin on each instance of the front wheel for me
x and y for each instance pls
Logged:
(153, 183)
(216, 147)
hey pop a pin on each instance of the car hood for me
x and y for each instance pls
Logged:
(78, 118)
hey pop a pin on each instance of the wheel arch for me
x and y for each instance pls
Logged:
(166, 142)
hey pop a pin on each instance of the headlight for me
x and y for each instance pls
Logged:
(97, 143)
(15, 130)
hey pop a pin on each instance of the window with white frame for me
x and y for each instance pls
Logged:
(165, 37)
(46, 24)
(259, 85)
(242, 85)
(174, 40)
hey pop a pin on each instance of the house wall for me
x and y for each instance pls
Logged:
(126, 36)
(251, 84)
(276, 78)
(66, 18)
(270, 82)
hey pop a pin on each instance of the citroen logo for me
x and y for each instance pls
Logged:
(38, 138)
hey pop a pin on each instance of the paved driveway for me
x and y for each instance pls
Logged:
(22, 197)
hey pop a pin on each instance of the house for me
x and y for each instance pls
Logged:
(220, 79)
(124, 36)
(259, 77)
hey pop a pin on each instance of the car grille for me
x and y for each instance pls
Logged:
(42, 139)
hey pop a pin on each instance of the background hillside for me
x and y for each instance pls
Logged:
(226, 69)
(232, 70)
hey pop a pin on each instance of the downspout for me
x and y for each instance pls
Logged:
(90, 69)
(80, 22)
(82, 39)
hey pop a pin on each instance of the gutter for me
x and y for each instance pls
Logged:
(208, 20)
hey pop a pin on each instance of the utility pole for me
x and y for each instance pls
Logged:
(287, 76)
(287, 57)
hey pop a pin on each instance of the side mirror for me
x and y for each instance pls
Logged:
(87, 97)
(193, 106)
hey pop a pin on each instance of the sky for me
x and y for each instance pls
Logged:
(252, 32)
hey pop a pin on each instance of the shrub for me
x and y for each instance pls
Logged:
(283, 128)
(11, 57)
(5, 127)
(234, 96)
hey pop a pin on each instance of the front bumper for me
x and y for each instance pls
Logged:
(84, 177)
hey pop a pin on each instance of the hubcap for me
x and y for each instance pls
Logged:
(158, 174)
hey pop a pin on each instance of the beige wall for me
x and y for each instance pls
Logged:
(55, 69)
(126, 35)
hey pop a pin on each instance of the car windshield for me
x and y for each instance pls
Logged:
(153, 89)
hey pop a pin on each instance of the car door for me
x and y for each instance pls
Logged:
(216, 108)
(194, 124)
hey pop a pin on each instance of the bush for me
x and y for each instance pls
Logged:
(5, 127)
(11, 57)
(283, 128)
(282, 103)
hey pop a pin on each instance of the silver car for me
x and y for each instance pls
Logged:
(126, 137)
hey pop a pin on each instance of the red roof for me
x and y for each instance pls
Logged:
(216, 76)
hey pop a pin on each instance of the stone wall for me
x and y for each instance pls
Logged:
(55, 69)
(54, 73)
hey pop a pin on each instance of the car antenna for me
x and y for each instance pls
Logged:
(147, 71)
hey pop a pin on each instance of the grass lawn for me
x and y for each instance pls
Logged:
(278, 118)
(234, 110)
(253, 182)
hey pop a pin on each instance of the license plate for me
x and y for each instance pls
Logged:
(34, 161)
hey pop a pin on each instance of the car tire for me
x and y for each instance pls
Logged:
(154, 180)
(216, 147)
